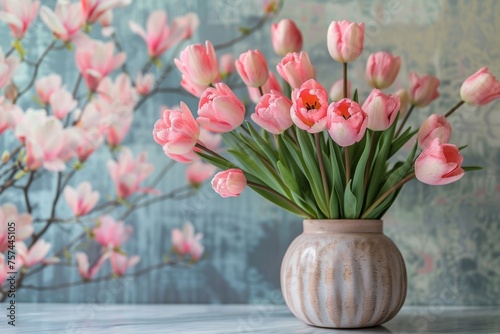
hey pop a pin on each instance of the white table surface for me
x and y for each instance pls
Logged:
(219, 319)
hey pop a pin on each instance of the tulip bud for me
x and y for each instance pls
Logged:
(381, 110)
(310, 103)
(345, 40)
(286, 37)
(272, 113)
(198, 63)
(382, 68)
(296, 68)
(434, 127)
(229, 183)
(337, 90)
(346, 122)
(423, 90)
(252, 68)
(404, 101)
(480, 88)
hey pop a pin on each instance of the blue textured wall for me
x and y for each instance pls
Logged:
(448, 235)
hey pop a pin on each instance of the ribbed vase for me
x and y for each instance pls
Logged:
(343, 274)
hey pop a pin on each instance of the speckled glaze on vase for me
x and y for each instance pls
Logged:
(343, 274)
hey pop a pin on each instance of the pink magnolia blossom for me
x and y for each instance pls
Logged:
(110, 233)
(19, 14)
(10, 115)
(208, 139)
(271, 84)
(93, 126)
(404, 100)
(227, 66)
(93, 10)
(87, 272)
(128, 173)
(381, 109)
(382, 68)
(186, 242)
(439, 164)
(8, 68)
(286, 37)
(121, 263)
(47, 86)
(82, 199)
(26, 125)
(144, 83)
(199, 171)
(423, 90)
(337, 90)
(199, 64)
(90, 140)
(346, 122)
(119, 93)
(24, 227)
(220, 110)
(296, 68)
(480, 88)
(65, 22)
(177, 131)
(118, 125)
(252, 68)
(272, 113)
(96, 59)
(159, 37)
(3, 269)
(30, 257)
(310, 103)
(62, 103)
(229, 183)
(434, 127)
(345, 40)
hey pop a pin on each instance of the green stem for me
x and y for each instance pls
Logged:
(404, 121)
(345, 79)
(261, 91)
(452, 110)
(322, 167)
(209, 151)
(373, 145)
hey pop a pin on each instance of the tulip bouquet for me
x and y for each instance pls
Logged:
(315, 155)
(54, 141)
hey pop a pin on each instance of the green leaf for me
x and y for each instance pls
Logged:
(463, 147)
(400, 173)
(358, 180)
(401, 141)
(219, 163)
(350, 203)
(278, 201)
(471, 168)
(265, 146)
(288, 178)
(355, 97)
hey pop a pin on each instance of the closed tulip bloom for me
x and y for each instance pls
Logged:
(286, 37)
(199, 64)
(252, 68)
(347, 122)
(439, 164)
(423, 89)
(199, 171)
(110, 233)
(345, 40)
(272, 113)
(434, 127)
(121, 263)
(480, 88)
(208, 139)
(186, 242)
(271, 84)
(310, 104)
(337, 90)
(404, 100)
(82, 199)
(229, 183)
(177, 131)
(381, 110)
(19, 15)
(296, 68)
(220, 110)
(382, 68)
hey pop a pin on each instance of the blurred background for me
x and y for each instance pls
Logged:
(447, 235)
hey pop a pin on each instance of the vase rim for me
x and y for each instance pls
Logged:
(343, 226)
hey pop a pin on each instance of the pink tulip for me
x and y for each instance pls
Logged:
(423, 90)
(121, 263)
(227, 66)
(346, 122)
(199, 64)
(296, 68)
(439, 164)
(4, 268)
(95, 60)
(286, 37)
(120, 93)
(434, 127)
(66, 22)
(87, 272)
(93, 10)
(62, 102)
(404, 100)
(382, 68)
(337, 90)
(144, 83)
(381, 110)
(24, 225)
(9, 115)
(128, 173)
(220, 110)
(271, 84)
(272, 113)
(210, 140)
(186, 242)
(345, 40)
(229, 183)
(30, 257)
(199, 171)
(193, 88)
(110, 233)
(19, 14)
(310, 104)
(480, 88)
(177, 131)
(8, 68)
(47, 86)
(252, 68)
(82, 199)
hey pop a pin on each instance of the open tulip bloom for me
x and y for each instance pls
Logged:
(324, 159)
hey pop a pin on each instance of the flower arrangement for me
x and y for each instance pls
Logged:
(318, 154)
(54, 140)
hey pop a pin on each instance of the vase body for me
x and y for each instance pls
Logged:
(343, 274)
